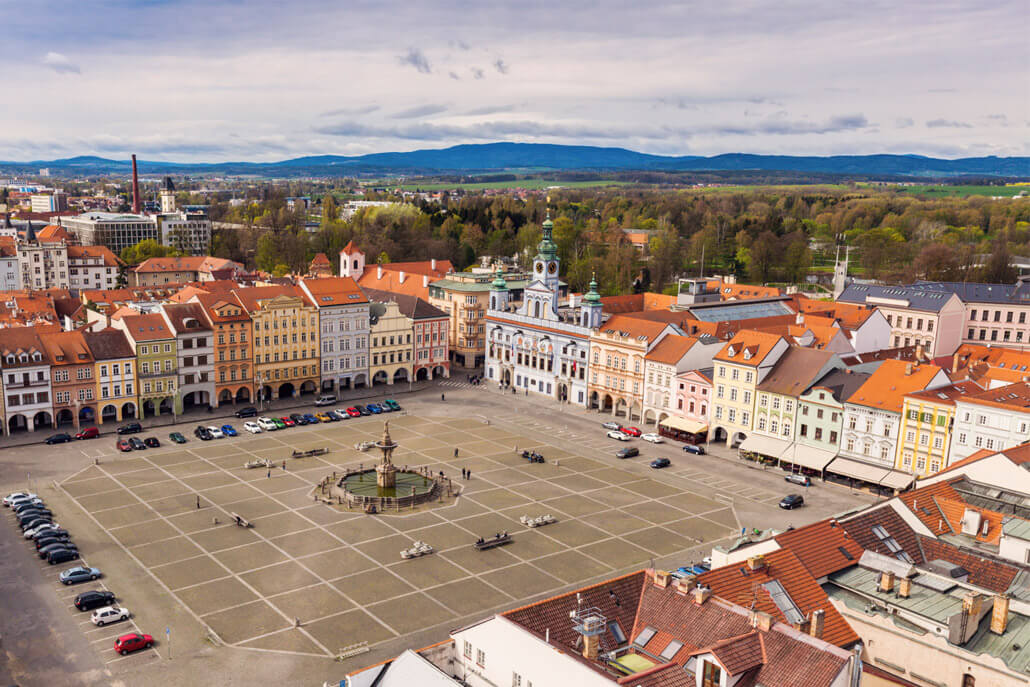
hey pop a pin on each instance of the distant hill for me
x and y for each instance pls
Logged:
(493, 157)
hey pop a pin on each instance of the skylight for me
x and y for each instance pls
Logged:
(844, 552)
(645, 636)
(671, 650)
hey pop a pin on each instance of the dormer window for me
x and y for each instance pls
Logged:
(747, 354)
(10, 359)
(37, 356)
(23, 358)
(731, 351)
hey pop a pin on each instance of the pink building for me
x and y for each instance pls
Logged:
(694, 395)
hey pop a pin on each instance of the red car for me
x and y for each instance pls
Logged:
(288, 421)
(353, 412)
(88, 433)
(132, 642)
(123, 445)
(632, 431)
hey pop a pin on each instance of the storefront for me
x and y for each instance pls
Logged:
(763, 448)
(681, 429)
(880, 479)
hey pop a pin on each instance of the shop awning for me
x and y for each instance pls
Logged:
(767, 446)
(858, 470)
(896, 479)
(684, 425)
(808, 456)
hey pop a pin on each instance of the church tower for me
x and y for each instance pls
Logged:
(499, 293)
(352, 261)
(590, 310)
(840, 272)
(545, 266)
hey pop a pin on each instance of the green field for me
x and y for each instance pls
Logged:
(943, 191)
(518, 183)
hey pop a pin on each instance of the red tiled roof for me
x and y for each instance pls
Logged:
(334, 291)
(634, 328)
(350, 249)
(671, 349)
(818, 547)
(748, 347)
(860, 528)
(983, 572)
(636, 302)
(321, 259)
(1010, 397)
(109, 258)
(739, 654)
(924, 504)
(886, 388)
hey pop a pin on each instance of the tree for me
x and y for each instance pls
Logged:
(146, 249)
(936, 262)
(998, 269)
(797, 259)
(763, 256)
(330, 211)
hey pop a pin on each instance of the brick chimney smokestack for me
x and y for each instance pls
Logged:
(135, 187)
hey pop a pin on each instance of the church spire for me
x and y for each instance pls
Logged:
(546, 250)
(592, 296)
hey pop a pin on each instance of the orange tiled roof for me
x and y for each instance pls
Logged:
(923, 502)
(671, 349)
(53, 233)
(350, 249)
(821, 547)
(214, 301)
(412, 285)
(194, 263)
(636, 302)
(110, 259)
(1010, 397)
(66, 348)
(739, 292)
(849, 315)
(886, 388)
(149, 327)
(321, 259)
(748, 347)
(987, 364)
(632, 327)
(251, 297)
(946, 395)
(335, 291)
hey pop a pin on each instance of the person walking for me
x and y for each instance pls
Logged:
(269, 475)
(463, 473)
(198, 502)
(441, 397)
(468, 474)
(455, 451)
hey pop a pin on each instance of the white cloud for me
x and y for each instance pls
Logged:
(61, 64)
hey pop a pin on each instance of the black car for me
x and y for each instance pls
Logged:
(57, 546)
(48, 540)
(661, 463)
(299, 419)
(55, 532)
(35, 512)
(136, 444)
(27, 506)
(792, 501)
(695, 449)
(363, 410)
(59, 439)
(249, 411)
(31, 521)
(203, 433)
(61, 556)
(87, 601)
(131, 428)
(628, 452)
(152, 442)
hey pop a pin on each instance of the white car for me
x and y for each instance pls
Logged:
(653, 438)
(109, 614)
(612, 425)
(267, 424)
(252, 427)
(29, 533)
(341, 413)
(18, 496)
(216, 432)
(618, 435)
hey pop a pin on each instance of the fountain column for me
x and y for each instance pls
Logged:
(386, 471)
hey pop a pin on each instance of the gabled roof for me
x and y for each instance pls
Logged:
(149, 327)
(671, 349)
(886, 388)
(946, 395)
(1017, 455)
(860, 528)
(795, 371)
(17, 340)
(905, 296)
(822, 547)
(1014, 397)
(729, 292)
(103, 252)
(186, 317)
(748, 347)
(320, 259)
(411, 306)
(350, 249)
(252, 297)
(636, 302)
(198, 263)
(841, 383)
(983, 572)
(109, 344)
(329, 291)
(213, 303)
(66, 348)
(633, 328)
(53, 233)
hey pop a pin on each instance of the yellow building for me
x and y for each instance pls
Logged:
(927, 417)
(390, 339)
(156, 363)
(285, 340)
(617, 351)
(739, 368)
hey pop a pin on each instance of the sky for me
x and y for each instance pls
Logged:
(261, 80)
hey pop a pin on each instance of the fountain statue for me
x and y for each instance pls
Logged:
(386, 471)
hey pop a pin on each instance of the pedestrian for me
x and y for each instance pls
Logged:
(284, 465)
(198, 501)
(269, 475)
(441, 397)
(455, 451)
(463, 473)
(468, 474)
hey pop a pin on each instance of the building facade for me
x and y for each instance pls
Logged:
(232, 337)
(343, 315)
(286, 359)
(187, 232)
(740, 367)
(194, 345)
(114, 370)
(927, 418)
(28, 399)
(616, 372)
(694, 394)
(993, 419)
(917, 316)
(72, 380)
(93, 267)
(42, 264)
(428, 333)
(157, 362)
(114, 230)
(664, 364)
(391, 347)
(820, 418)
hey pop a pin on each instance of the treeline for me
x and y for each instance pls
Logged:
(761, 234)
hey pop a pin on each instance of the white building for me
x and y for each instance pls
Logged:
(92, 267)
(10, 269)
(672, 356)
(992, 420)
(189, 232)
(541, 346)
(917, 316)
(343, 320)
(49, 202)
(42, 264)
(116, 378)
(194, 339)
(28, 395)
(111, 229)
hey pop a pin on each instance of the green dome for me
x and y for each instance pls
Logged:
(546, 250)
(499, 284)
(592, 296)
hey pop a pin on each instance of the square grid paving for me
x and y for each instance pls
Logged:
(309, 579)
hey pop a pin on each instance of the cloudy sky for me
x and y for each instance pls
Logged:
(214, 80)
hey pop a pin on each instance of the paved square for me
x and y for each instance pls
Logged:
(339, 572)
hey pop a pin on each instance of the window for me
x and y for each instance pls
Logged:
(884, 451)
(761, 423)
(468, 649)
(516, 679)
(850, 444)
(711, 675)
(833, 436)
(480, 658)
(803, 431)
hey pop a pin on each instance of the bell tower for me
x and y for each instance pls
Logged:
(545, 265)
(591, 308)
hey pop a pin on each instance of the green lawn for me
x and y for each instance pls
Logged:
(518, 183)
(941, 191)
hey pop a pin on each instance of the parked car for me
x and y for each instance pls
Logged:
(229, 431)
(310, 419)
(374, 408)
(34, 512)
(353, 412)
(288, 421)
(653, 438)
(109, 614)
(363, 410)
(252, 427)
(59, 438)
(88, 433)
(31, 532)
(87, 601)
(203, 434)
(392, 404)
(267, 424)
(279, 424)
(52, 539)
(340, 414)
(615, 434)
(249, 411)
(62, 556)
(661, 463)
(632, 431)
(14, 496)
(628, 452)
(177, 438)
(215, 432)
(137, 444)
(123, 445)
(78, 574)
(152, 442)
(612, 425)
(133, 642)
(21, 504)
(696, 449)
(52, 531)
(131, 428)
(797, 478)
(792, 501)
(326, 417)
(57, 546)
(33, 521)
(298, 419)
(325, 400)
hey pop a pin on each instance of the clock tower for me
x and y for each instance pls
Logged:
(545, 264)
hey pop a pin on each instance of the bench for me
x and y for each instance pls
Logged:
(241, 521)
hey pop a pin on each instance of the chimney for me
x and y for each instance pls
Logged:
(702, 594)
(816, 623)
(401, 276)
(908, 369)
(761, 621)
(904, 587)
(802, 625)
(425, 281)
(756, 562)
(887, 581)
(919, 352)
(379, 271)
(661, 578)
(1000, 615)
(591, 644)
(135, 187)
(972, 604)
(684, 585)
(432, 263)
(799, 318)
(954, 363)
